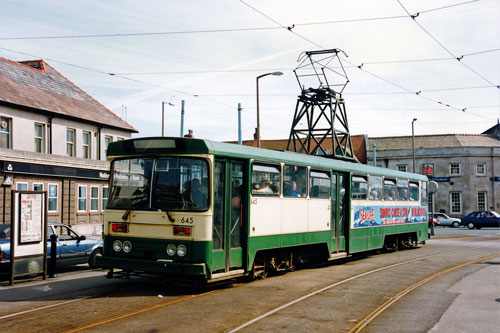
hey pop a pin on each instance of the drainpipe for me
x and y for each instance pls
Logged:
(50, 134)
(99, 142)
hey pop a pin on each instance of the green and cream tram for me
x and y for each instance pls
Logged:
(205, 211)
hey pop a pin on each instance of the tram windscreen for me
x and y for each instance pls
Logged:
(165, 183)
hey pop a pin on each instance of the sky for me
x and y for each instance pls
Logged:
(437, 61)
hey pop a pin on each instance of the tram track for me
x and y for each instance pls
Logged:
(176, 299)
(336, 284)
(383, 307)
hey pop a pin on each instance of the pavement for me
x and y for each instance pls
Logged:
(477, 307)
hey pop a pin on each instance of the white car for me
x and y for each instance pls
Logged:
(446, 221)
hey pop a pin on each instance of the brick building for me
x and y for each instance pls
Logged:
(53, 137)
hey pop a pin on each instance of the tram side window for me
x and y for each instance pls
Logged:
(375, 187)
(295, 181)
(402, 190)
(266, 179)
(413, 191)
(424, 194)
(359, 188)
(389, 189)
(320, 184)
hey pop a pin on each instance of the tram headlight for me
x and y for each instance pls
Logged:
(181, 250)
(171, 249)
(117, 245)
(127, 246)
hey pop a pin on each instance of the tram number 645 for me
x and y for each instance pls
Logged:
(187, 220)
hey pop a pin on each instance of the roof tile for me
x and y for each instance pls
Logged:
(46, 89)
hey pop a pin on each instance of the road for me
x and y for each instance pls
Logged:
(433, 288)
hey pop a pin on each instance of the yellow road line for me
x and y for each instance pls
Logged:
(365, 321)
(136, 312)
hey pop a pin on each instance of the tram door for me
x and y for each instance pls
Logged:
(340, 211)
(229, 215)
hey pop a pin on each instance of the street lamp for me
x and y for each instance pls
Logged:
(163, 116)
(413, 142)
(258, 116)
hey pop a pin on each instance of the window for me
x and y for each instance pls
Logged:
(359, 188)
(481, 169)
(21, 186)
(39, 138)
(375, 187)
(454, 169)
(401, 167)
(52, 196)
(320, 184)
(402, 190)
(37, 186)
(70, 142)
(94, 198)
(105, 194)
(166, 183)
(266, 179)
(5, 141)
(294, 181)
(107, 141)
(481, 201)
(413, 191)
(82, 198)
(86, 140)
(429, 204)
(456, 202)
(423, 193)
(389, 189)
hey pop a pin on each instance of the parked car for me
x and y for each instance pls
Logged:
(481, 219)
(446, 221)
(72, 248)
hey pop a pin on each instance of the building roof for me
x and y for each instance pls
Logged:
(434, 141)
(358, 145)
(36, 85)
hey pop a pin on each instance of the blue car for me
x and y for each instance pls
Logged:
(481, 219)
(72, 248)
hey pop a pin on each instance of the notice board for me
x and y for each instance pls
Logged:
(28, 247)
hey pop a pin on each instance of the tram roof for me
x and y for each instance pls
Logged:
(171, 145)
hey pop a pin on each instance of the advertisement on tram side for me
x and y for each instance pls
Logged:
(370, 216)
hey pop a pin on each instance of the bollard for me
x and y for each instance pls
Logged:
(53, 256)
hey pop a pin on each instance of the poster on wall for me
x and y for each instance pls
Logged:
(31, 223)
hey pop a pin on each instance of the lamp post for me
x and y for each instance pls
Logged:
(163, 116)
(413, 142)
(258, 116)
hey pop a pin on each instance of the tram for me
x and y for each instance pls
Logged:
(197, 210)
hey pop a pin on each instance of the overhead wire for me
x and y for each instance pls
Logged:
(459, 59)
(161, 33)
(418, 93)
(383, 62)
(280, 26)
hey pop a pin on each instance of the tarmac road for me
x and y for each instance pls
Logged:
(335, 297)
